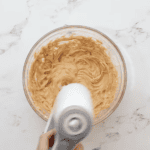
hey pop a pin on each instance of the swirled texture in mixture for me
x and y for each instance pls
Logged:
(76, 59)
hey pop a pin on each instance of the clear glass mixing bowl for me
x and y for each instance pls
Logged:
(112, 50)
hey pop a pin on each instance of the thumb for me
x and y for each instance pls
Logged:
(44, 139)
(49, 133)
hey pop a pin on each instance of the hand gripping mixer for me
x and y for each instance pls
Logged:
(72, 116)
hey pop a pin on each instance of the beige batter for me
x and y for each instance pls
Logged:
(76, 59)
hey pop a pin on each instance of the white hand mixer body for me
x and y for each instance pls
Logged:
(72, 116)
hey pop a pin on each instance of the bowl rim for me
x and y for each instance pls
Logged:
(84, 27)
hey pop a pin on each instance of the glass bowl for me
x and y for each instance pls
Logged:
(112, 50)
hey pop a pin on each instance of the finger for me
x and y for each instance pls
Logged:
(43, 144)
(44, 139)
(50, 133)
(79, 147)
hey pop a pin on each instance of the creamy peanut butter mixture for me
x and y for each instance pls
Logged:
(76, 59)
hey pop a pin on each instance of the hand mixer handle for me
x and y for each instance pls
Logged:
(72, 116)
(63, 144)
(73, 125)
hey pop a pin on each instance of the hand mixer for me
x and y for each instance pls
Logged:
(72, 116)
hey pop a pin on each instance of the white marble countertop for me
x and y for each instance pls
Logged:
(23, 22)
